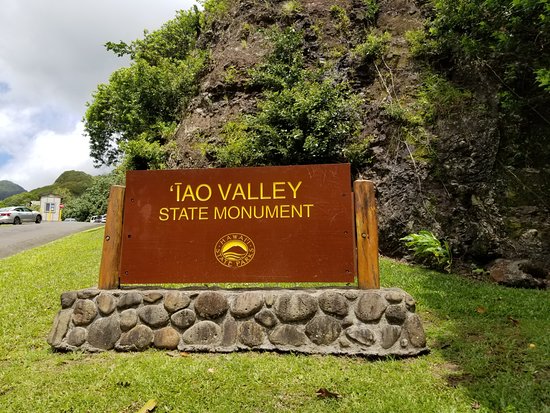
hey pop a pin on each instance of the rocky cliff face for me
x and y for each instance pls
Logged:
(439, 152)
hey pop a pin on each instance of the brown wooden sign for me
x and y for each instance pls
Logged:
(271, 224)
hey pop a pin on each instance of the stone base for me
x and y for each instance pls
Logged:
(321, 321)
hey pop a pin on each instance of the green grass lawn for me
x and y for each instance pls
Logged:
(490, 352)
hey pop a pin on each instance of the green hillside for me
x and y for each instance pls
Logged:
(68, 184)
(8, 188)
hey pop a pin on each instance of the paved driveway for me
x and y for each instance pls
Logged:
(17, 238)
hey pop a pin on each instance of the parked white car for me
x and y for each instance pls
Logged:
(19, 214)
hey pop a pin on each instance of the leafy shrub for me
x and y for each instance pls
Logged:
(214, 10)
(506, 39)
(284, 65)
(372, 9)
(373, 47)
(341, 18)
(356, 152)
(428, 249)
(310, 122)
(291, 7)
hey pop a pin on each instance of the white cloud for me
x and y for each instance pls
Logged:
(50, 155)
(54, 50)
(52, 58)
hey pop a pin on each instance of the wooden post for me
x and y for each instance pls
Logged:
(366, 228)
(109, 277)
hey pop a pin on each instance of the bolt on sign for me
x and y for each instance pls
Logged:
(268, 224)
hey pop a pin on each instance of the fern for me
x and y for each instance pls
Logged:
(426, 247)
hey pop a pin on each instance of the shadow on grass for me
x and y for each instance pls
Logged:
(494, 339)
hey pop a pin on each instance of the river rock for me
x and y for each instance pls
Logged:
(60, 327)
(88, 294)
(396, 313)
(166, 338)
(394, 297)
(130, 299)
(138, 338)
(84, 312)
(106, 303)
(266, 318)
(153, 315)
(251, 334)
(128, 319)
(183, 319)
(288, 335)
(68, 299)
(211, 305)
(151, 297)
(362, 335)
(229, 332)
(323, 330)
(415, 331)
(247, 304)
(370, 306)
(334, 303)
(104, 332)
(295, 307)
(203, 333)
(77, 336)
(390, 334)
(175, 300)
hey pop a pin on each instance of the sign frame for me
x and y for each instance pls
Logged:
(364, 244)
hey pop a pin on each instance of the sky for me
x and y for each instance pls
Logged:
(52, 57)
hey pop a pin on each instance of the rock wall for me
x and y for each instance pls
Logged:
(326, 321)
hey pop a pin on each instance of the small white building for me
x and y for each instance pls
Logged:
(50, 208)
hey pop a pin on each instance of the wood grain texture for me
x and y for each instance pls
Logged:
(366, 227)
(110, 257)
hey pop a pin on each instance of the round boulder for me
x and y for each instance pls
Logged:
(84, 312)
(153, 315)
(334, 303)
(295, 307)
(138, 338)
(166, 338)
(203, 333)
(251, 334)
(104, 333)
(183, 319)
(128, 319)
(211, 305)
(106, 303)
(247, 304)
(323, 330)
(370, 306)
(175, 300)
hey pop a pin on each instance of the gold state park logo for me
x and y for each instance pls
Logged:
(234, 250)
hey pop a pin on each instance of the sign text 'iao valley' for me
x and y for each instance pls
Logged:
(254, 201)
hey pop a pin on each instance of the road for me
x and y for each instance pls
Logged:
(17, 238)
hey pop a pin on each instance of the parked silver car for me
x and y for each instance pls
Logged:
(19, 214)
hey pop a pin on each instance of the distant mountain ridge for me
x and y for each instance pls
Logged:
(69, 183)
(9, 188)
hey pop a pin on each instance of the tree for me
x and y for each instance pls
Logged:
(144, 101)
(94, 200)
